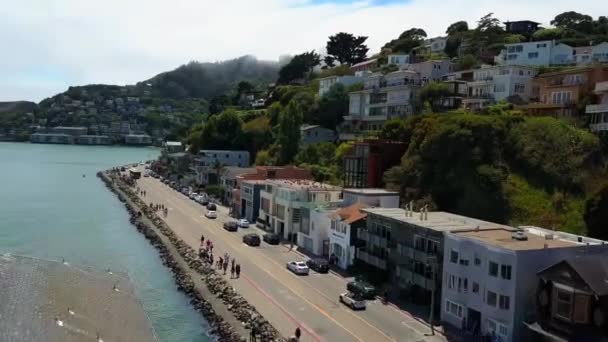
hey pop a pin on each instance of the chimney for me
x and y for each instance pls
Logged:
(426, 212)
(411, 208)
(421, 214)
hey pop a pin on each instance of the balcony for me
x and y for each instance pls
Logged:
(352, 117)
(372, 238)
(597, 108)
(415, 279)
(599, 127)
(601, 87)
(415, 254)
(372, 260)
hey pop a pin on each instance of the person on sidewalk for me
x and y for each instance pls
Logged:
(220, 263)
(298, 333)
(238, 270)
(225, 266)
(232, 270)
(211, 259)
(232, 261)
(202, 239)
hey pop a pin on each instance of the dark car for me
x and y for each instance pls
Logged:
(271, 238)
(231, 226)
(362, 288)
(252, 239)
(211, 206)
(318, 265)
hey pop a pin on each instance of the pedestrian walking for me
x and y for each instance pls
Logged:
(225, 266)
(202, 239)
(211, 259)
(238, 270)
(298, 333)
(211, 246)
(232, 261)
(208, 243)
(232, 271)
(220, 263)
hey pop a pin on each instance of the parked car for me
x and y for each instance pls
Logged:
(204, 201)
(271, 238)
(231, 226)
(193, 195)
(252, 239)
(365, 290)
(319, 265)
(298, 267)
(243, 223)
(352, 300)
(211, 206)
(211, 214)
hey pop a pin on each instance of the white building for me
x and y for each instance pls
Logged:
(383, 97)
(548, 52)
(432, 70)
(343, 233)
(598, 113)
(399, 59)
(489, 275)
(312, 236)
(437, 44)
(312, 134)
(326, 83)
(599, 53)
(371, 197)
(207, 163)
(282, 202)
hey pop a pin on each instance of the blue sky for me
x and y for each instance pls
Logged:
(49, 45)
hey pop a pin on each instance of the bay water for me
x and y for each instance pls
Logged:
(53, 206)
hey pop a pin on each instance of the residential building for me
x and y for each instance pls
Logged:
(399, 59)
(458, 90)
(489, 275)
(312, 134)
(365, 166)
(436, 45)
(227, 181)
(173, 147)
(558, 93)
(582, 55)
(343, 241)
(598, 113)
(371, 197)
(327, 82)
(93, 140)
(365, 66)
(496, 83)
(540, 53)
(572, 300)
(73, 131)
(383, 97)
(138, 139)
(208, 163)
(282, 201)
(246, 194)
(523, 27)
(51, 138)
(599, 53)
(315, 223)
(432, 70)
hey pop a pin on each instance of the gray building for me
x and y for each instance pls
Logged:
(138, 139)
(207, 163)
(93, 140)
(51, 138)
(228, 180)
(312, 134)
(73, 131)
(173, 147)
(250, 199)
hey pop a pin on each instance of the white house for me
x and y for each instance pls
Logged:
(598, 113)
(326, 83)
(433, 69)
(398, 59)
(208, 162)
(489, 275)
(436, 44)
(343, 233)
(313, 234)
(541, 53)
(599, 53)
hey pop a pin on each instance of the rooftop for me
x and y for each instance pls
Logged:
(369, 61)
(173, 143)
(233, 171)
(352, 213)
(45, 300)
(306, 127)
(372, 192)
(303, 184)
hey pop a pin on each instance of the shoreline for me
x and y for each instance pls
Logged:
(228, 313)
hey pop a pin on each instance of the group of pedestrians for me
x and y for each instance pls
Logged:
(159, 207)
(141, 192)
(206, 253)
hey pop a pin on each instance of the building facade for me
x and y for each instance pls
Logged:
(93, 140)
(598, 113)
(371, 197)
(343, 229)
(208, 163)
(399, 59)
(173, 147)
(138, 139)
(326, 83)
(312, 134)
(228, 182)
(365, 166)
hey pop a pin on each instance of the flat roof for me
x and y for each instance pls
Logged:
(435, 220)
(372, 191)
(303, 184)
(44, 300)
(173, 143)
(504, 238)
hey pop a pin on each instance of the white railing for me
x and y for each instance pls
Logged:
(601, 87)
(596, 108)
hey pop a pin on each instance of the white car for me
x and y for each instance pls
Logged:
(243, 223)
(211, 214)
(199, 198)
(298, 267)
(353, 301)
(193, 195)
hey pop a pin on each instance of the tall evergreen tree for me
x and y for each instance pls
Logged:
(346, 49)
(288, 136)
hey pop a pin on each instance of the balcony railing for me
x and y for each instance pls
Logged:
(596, 108)
(416, 279)
(372, 238)
(372, 260)
(599, 127)
(601, 87)
(416, 254)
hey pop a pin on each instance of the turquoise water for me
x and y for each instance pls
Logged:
(49, 210)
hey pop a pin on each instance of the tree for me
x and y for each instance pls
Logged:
(346, 49)
(288, 136)
(457, 27)
(307, 103)
(332, 107)
(548, 34)
(258, 134)
(299, 67)
(596, 214)
(574, 21)
(218, 104)
(263, 158)
(467, 62)
(434, 92)
(407, 40)
(222, 131)
(487, 37)
(413, 34)
(273, 111)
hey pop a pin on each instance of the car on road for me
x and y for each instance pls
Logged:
(231, 226)
(193, 195)
(211, 214)
(361, 288)
(252, 239)
(211, 206)
(318, 265)
(352, 300)
(199, 199)
(243, 223)
(298, 267)
(272, 238)
(146, 175)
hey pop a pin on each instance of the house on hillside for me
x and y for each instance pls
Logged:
(523, 27)
(312, 134)
(326, 83)
(598, 113)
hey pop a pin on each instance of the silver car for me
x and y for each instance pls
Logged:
(298, 267)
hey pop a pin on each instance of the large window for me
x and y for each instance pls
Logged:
(504, 302)
(563, 307)
(532, 55)
(453, 308)
(475, 287)
(491, 298)
(520, 88)
(505, 272)
(454, 256)
(561, 97)
(493, 269)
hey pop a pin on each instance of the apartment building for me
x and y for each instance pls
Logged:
(208, 163)
(558, 93)
(399, 59)
(432, 70)
(371, 197)
(138, 139)
(548, 52)
(282, 200)
(365, 166)
(383, 97)
(598, 112)
(312, 134)
(173, 147)
(365, 66)
(315, 223)
(93, 140)
(326, 83)
(227, 181)
(489, 276)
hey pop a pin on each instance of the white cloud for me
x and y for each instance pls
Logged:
(122, 42)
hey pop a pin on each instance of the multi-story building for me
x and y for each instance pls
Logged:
(383, 97)
(492, 84)
(246, 193)
(93, 140)
(208, 163)
(436, 44)
(365, 166)
(73, 131)
(315, 223)
(343, 229)
(598, 113)
(282, 201)
(227, 181)
(523, 27)
(548, 52)
(399, 59)
(489, 276)
(173, 147)
(51, 138)
(432, 70)
(371, 197)
(312, 134)
(558, 93)
(365, 66)
(138, 139)
(327, 82)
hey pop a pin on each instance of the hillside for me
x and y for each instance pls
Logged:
(17, 107)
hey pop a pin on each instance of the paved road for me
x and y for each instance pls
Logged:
(285, 299)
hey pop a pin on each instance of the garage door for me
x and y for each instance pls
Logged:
(307, 244)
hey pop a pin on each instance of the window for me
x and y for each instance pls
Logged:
(477, 260)
(493, 269)
(515, 48)
(333, 225)
(520, 88)
(491, 298)
(511, 57)
(564, 304)
(498, 328)
(503, 330)
(475, 287)
(532, 55)
(454, 256)
(499, 87)
(453, 308)
(505, 272)
(561, 97)
(504, 302)
(465, 285)
(452, 282)
(543, 45)
(464, 262)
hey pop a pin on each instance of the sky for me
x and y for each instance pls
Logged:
(49, 45)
